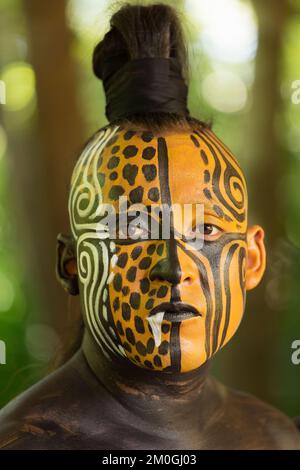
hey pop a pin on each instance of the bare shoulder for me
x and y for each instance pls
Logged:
(45, 415)
(265, 427)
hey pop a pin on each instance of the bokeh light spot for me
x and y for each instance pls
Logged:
(229, 29)
(19, 82)
(225, 91)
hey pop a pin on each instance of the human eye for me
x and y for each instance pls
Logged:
(211, 230)
(206, 231)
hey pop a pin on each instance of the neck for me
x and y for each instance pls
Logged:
(159, 397)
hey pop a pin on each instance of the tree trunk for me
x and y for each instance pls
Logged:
(254, 349)
(43, 175)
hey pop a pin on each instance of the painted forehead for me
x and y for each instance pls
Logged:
(175, 168)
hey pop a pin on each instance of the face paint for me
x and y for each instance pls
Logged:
(129, 287)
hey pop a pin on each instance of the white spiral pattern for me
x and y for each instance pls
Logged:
(85, 186)
(85, 205)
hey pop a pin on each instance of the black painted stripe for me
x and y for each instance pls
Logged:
(213, 138)
(163, 172)
(229, 172)
(216, 181)
(218, 305)
(227, 289)
(175, 347)
(242, 256)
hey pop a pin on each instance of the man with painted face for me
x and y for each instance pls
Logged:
(156, 309)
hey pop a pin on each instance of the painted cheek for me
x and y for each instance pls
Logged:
(191, 287)
(235, 296)
(93, 270)
(132, 296)
(198, 291)
(219, 293)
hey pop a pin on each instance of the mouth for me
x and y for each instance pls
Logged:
(175, 312)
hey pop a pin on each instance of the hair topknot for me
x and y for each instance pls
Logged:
(139, 31)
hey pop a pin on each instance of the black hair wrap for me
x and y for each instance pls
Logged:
(150, 84)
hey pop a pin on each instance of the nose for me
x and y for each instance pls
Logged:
(165, 270)
(168, 269)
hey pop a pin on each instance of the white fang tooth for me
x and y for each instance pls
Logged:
(155, 322)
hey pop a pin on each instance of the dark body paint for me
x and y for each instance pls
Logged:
(90, 405)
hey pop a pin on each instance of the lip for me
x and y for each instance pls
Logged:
(176, 311)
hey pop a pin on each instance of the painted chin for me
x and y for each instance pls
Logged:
(192, 344)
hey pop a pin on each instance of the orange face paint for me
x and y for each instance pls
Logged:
(157, 302)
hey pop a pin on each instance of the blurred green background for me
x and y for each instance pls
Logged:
(244, 58)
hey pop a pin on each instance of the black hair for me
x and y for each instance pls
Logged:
(138, 31)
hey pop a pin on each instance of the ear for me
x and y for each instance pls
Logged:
(256, 260)
(66, 264)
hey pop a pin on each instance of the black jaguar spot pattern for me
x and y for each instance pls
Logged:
(113, 162)
(130, 151)
(129, 134)
(126, 311)
(148, 153)
(115, 192)
(135, 300)
(147, 136)
(145, 262)
(130, 172)
(153, 194)
(139, 324)
(150, 172)
(122, 260)
(130, 336)
(137, 250)
(131, 274)
(136, 195)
